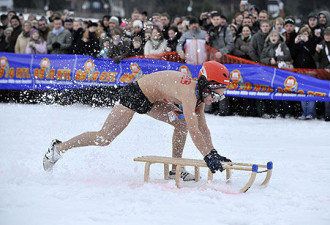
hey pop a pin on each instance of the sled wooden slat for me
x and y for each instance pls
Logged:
(196, 163)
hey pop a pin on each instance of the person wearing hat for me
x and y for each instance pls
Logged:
(322, 56)
(59, 40)
(324, 19)
(113, 22)
(17, 30)
(23, 38)
(191, 45)
(36, 44)
(290, 33)
(138, 31)
(315, 27)
(68, 24)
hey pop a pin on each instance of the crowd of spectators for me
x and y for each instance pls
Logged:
(251, 35)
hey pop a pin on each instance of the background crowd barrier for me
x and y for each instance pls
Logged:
(67, 72)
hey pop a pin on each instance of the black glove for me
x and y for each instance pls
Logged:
(56, 45)
(213, 161)
(116, 60)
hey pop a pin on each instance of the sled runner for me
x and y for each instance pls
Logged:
(228, 166)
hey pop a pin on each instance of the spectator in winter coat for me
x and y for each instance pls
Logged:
(324, 19)
(220, 36)
(119, 48)
(323, 57)
(105, 48)
(36, 44)
(138, 30)
(173, 39)
(17, 30)
(157, 44)
(247, 21)
(242, 43)
(3, 43)
(59, 39)
(68, 24)
(166, 22)
(290, 32)
(315, 28)
(43, 28)
(136, 48)
(77, 43)
(304, 49)
(192, 44)
(275, 53)
(279, 25)
(5, 21)
(234, 31)
(302, 54)
(275, 50)
(323, 51)
(23, 38)
(105, 24)
(258, 41)
(92, 44)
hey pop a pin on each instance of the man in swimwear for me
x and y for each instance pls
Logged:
(157, 95)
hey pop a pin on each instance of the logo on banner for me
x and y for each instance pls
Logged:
(89, 67)
(45, 66)
(136, 70)
(236, 79)
(236, 76)
(185, 70)
(4, 65)
(136, 73)
(291, 83)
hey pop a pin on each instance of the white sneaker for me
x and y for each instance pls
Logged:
(309, 117)
(186, 176)
(51, 156)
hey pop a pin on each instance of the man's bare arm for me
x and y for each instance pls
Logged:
(194, 129)
(203, 126)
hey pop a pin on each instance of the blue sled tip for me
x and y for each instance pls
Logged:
(269, 165)
(255, 168)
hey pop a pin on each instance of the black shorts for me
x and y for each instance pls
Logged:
(133, 98)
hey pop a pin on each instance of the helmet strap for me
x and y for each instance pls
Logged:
(201, 85)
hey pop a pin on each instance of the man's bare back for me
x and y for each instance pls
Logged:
(171, 86)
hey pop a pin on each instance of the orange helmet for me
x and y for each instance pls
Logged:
(215, 72)
(212, 76)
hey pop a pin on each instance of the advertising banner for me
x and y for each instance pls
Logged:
(58, 72)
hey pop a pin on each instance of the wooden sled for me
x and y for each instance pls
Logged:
(228, 166)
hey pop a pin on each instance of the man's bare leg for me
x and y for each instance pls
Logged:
(116, 122)
(160, 112)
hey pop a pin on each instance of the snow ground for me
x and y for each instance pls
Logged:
(102, 185)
